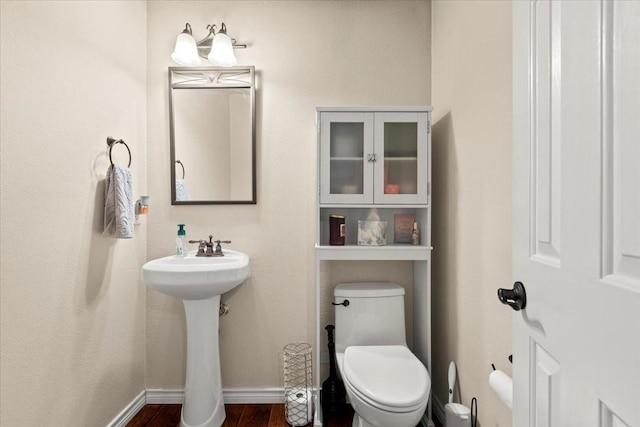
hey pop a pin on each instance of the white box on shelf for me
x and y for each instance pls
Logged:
(372, 233)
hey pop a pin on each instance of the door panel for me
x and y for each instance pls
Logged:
(610, 418)
(621, 145)
(545, 137)
(546, 386)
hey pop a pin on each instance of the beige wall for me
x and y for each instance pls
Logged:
(471, 78)
(72, 305)
(306, 54)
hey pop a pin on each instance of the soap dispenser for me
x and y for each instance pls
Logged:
(181, 241)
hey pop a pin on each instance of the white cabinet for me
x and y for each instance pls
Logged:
(374, 157)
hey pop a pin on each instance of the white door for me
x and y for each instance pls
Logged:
(576, 213)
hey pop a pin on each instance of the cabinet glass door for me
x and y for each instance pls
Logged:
(400, 155)
(345, 148)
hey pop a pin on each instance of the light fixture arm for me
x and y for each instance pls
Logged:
(212, 31)
(235, 45)
(187, 29)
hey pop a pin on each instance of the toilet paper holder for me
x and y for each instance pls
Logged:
(502, 384)
(510, 361)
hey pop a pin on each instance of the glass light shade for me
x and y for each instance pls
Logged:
(186, 51)
(222, 51)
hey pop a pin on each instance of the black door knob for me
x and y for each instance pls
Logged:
(516, 298)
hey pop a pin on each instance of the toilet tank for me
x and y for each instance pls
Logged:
(373, 316)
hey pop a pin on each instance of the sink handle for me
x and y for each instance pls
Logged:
(202, 246)
(218, 251)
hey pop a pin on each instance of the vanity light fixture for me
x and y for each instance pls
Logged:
(217, 47)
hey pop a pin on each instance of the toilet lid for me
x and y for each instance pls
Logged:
(387, 375)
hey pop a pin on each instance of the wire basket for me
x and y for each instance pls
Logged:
(298, 384)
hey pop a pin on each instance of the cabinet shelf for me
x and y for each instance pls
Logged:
(374, 253)
(374, 205)
(388, 158)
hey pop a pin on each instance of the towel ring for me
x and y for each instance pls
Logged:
(180, 163)
(111, 141)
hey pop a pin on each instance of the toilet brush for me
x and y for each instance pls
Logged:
(452, 380)
(333, 392)
(456, 414)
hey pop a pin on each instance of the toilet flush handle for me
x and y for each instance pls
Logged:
(345, 303)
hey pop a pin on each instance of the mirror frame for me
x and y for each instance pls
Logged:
(212, 77)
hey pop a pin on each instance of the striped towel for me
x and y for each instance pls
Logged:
(118, 203)
(181, 191)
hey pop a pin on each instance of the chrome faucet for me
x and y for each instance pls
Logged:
(206, 248)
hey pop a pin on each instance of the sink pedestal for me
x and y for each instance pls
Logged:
(203, 401)
(200, 281)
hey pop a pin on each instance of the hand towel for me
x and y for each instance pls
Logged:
(118, 203)
(181, 191)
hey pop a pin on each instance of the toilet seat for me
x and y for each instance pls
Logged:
(390, 378)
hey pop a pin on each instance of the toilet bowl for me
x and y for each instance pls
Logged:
(386, 383)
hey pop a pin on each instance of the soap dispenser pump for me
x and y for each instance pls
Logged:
(181, 241)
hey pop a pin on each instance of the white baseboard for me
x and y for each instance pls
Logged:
(176, 396)
(127, 414)
(252, 395)
(231, 395)
(438, 409)
(162, 396)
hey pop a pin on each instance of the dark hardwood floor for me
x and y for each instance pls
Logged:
(256, 415)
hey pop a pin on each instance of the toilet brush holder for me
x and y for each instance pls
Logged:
(457, 415)
(333, 398)
(298, 384)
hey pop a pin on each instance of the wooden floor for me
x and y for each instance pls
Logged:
(237, 416)
(255, 415)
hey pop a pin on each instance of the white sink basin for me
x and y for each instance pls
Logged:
(193, 277)
(200, 281)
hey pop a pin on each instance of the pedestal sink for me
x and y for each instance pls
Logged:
(200, 281)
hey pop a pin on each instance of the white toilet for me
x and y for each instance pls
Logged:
(386, 383)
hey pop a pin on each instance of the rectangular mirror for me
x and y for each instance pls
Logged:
(213, 149)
